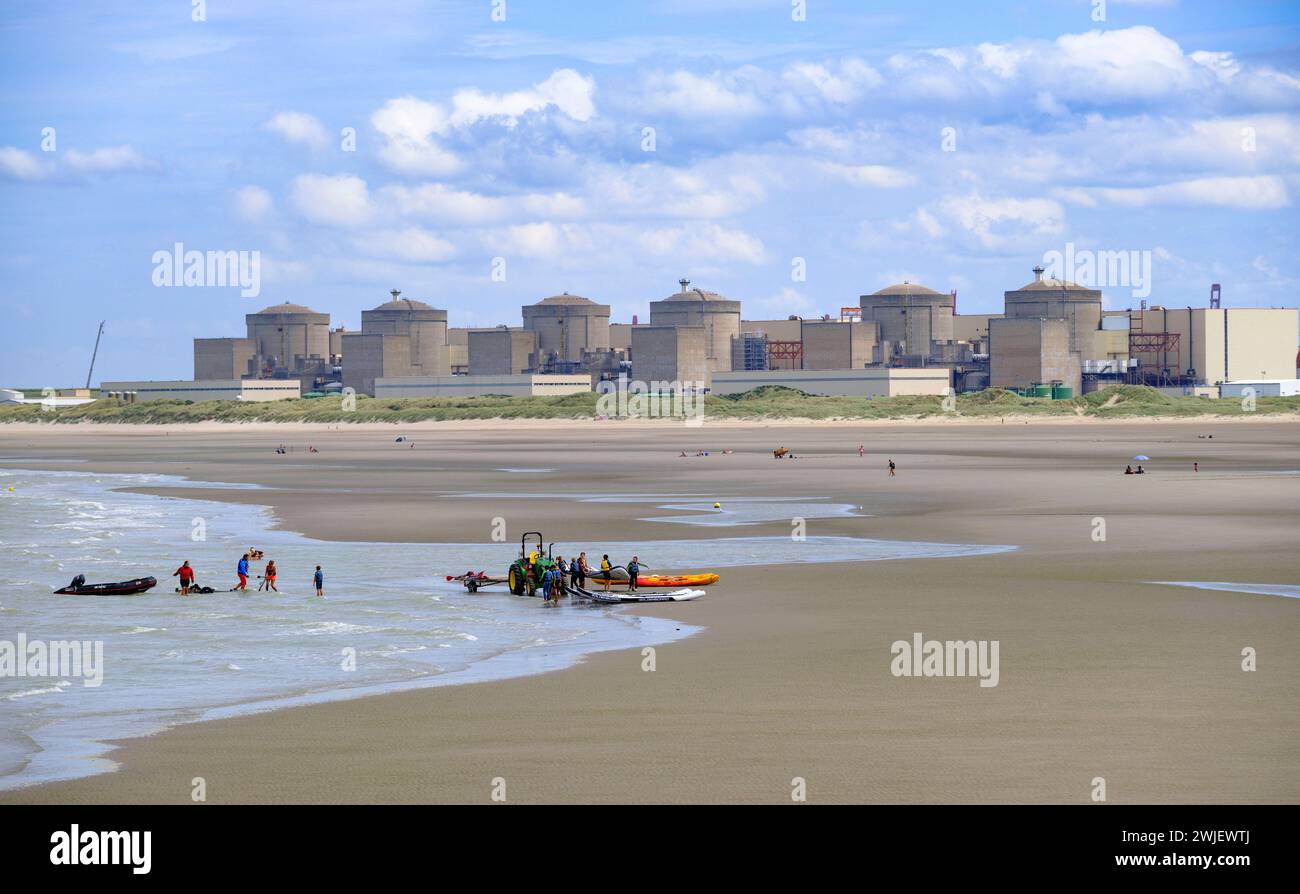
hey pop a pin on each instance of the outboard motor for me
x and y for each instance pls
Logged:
(78, 581)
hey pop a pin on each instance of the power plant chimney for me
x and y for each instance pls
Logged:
(1038, 273)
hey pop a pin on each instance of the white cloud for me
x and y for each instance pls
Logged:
(408, 126)
(299, 127)
(410, 244)
(1263, 192)
(565, 90)
(881, 176)
(1002, 222)
(342, 201)
(437, 201)
(19, 164)
(253, 204)
(690, 95)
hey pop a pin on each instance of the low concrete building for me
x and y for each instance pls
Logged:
(671, 354)
(1029, 351)
(527, 385)
(828, 344)
(875, 382)
(502, 352)
(206, 389)
(224, 358)
(1261, 388)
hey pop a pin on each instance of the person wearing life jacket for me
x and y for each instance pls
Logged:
(605, 570)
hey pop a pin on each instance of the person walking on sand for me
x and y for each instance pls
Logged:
(242, 570)
(861, 450)
(269, 577)
(319, 580)
(1196, 467)
(891, 468)
(186, 574)
(605, 570)
(633, 569)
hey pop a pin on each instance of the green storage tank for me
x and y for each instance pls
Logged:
(1041, 391)
(1062, 392)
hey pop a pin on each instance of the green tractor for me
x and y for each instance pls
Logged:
(525, 574)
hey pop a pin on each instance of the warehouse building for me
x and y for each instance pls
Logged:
(208, 389)
(527, 385)
(828, 344)
(873, 382)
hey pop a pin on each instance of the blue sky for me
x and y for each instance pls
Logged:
(1171, 127)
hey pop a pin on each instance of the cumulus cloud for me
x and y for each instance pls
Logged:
(999, 222)
(299, 127)
(565, 90)
(413, 244)
(19, 164)
(339, 201)
(438, 201)
(253, 204)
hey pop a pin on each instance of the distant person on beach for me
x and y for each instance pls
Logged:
(242, 570)
(319, 580)
(269, 578)
(605, 570)
(1128, 470)
(186, 574)
(633, 569)
(1140, 470)
(892, 467)
(1196, 467)
(861, 450)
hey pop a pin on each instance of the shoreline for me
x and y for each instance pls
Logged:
(1103, 673)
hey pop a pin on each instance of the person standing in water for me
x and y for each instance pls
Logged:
(633, 569)
(186, 574)
(242, 570)
(578, 570)
(270, 576)
(605, 570)
(319, 580)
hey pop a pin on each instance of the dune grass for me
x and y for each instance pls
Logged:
(764, 403)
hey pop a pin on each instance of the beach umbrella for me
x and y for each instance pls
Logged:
(1142, 459)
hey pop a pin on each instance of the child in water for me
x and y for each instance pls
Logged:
(319, 579)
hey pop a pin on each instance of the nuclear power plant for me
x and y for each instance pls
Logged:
(1054, 338)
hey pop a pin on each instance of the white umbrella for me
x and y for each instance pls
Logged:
(1142, 459)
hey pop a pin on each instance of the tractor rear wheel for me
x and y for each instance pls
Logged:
(516, 581)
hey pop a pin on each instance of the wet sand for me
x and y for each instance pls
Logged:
(1101, 674)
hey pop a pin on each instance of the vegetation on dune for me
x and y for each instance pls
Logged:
(767, 402)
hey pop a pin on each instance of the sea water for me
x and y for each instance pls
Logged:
(391, 620)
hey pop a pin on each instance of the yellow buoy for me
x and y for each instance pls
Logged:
(717, 505)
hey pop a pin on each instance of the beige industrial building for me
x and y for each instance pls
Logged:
(223, 358)
(501, 352)
(1053, 299)
(972, 328)
(911, 317)
(567, 327)
(400, 337)
(527, 385)
(289, 337)
(1212, 345)
(209, 389)
(671, 354)
(1030, 351)
(828, 344)
(719, 317)
(873, 382)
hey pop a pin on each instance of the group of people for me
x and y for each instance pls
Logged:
(555, 581)
(189, 585)
(1129, 470)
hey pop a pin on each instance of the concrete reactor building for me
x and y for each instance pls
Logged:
(718, 316)
(289, 337)
(400, 337)
(911, 317)
(567, 327)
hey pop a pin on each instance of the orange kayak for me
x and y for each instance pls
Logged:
(676, 580)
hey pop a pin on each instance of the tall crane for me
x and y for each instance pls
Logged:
(95, 353)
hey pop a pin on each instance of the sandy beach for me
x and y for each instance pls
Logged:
(1103, 674)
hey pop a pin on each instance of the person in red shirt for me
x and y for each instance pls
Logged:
(186, 574)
